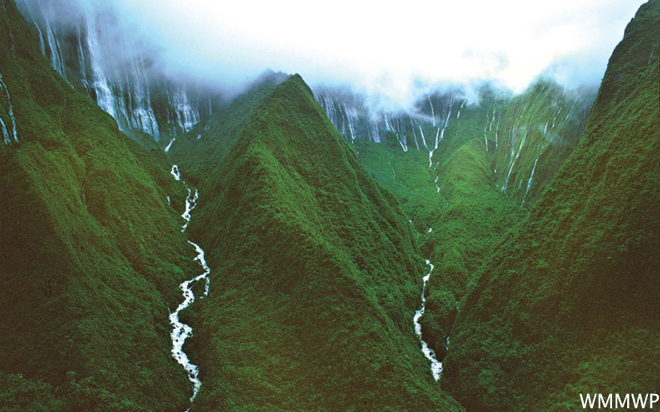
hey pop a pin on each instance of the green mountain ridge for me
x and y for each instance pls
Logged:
(316, 273)
(199, 151)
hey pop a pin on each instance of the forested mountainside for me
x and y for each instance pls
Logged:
(568, 302)
(91, 252)
(200, 151)
(464, 173)
(317, 275)
(532, 131)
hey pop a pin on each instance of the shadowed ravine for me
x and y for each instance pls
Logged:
(181, 331)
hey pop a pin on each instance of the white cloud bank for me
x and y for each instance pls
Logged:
(392, 49)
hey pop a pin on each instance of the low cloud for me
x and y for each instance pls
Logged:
(393, 54)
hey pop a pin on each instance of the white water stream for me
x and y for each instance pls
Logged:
(181, 331)
(458, 116)
(351, 122)
(5, 134)
(423, 138)
(436, 366)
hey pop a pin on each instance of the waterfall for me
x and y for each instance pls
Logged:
(119, 85)
(403, 143)
(412, 126)
(55, 51)
(458, 116)
(186, 116)
(10, 111)
(449, 113)
(432, 111)
(374, 132)
(485, 137)
(400, 136)
(331, 110)
(555, 118)
(142, 115)
(41, 38)
(513, 162)
(529, 182)
(423, 138)
(339, 114)
(81, 57)
(99, 82)
(5, 134)
(351, 122)
(489, 128)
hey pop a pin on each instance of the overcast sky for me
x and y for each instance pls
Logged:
(394, 49)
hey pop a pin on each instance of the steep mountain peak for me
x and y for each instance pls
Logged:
(315, 265)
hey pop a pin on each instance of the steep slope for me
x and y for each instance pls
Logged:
(87, 48)
(316, 274)
(199, 152)
(569, 302)
(91, 253)
(474, 215)
(456, 189)
(527, 136)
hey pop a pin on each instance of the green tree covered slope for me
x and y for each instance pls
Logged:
(492, 158)
(569, 302)
(91, 255)
(316, 275)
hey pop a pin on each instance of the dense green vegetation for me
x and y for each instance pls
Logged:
(535, 131)
(459, 193)
(200, 151)
(568, 303)
(91, 253)
(316, 275)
